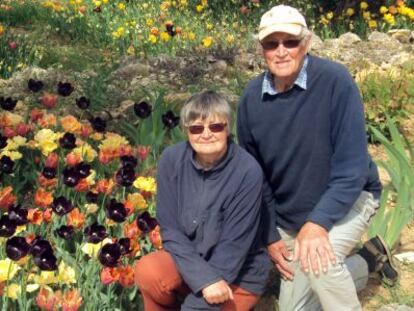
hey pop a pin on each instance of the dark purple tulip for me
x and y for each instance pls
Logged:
(49, 172)
(130, 161)
(170, 30)
(70, 176)
(125, 176)
(125, 245)
(64, 89)
(40, 246)
(91, 197)
(145, 222)
(7, 226)
(98, 124)
(17, 248)
(68, 141)
(46, 261)
(142, 109)
(34, 86)
(83, 169)
(6, 165)
(3, 141)
(109, 254)
(115, 211)
(83, 102)
(18, 215)
(95, 233)
(8, 103)
(65, 232)
(170, 120)
(62, 206)
(97, 9)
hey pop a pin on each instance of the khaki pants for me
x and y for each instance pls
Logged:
(337, 289)
(161, 285)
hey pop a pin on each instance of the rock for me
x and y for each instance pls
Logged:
(132, 70)
(349, 39)
(177, 97)
(395, 307)
(401, 58)
(402, 35)
(382, 38)
(316, 42)
(219, 67)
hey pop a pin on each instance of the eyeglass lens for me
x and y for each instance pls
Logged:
(289, 44)
(214, 128)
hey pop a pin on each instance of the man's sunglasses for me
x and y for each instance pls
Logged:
(273, 45)
(214, 128)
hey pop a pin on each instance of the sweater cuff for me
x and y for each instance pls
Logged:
(321, 221)
(272, 235)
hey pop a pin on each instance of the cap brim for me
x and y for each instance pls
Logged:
(291, 29)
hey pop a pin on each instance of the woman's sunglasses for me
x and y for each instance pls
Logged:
(214, 128)
(273, 45)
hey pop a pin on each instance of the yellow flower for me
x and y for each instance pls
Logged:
(14, 143)
(91, 208)
(13, 155)
(8, 269)
(165, 5)
(113, 140)
(230, 38)
(383, 10)
(146, 184)
(121, 6)
(389, 19)
(152, 39)
(204, 2)
(190, 35)
(86, 152)
(97, 2)
(2, 29)
(131, 50)
(137, 200)
(363, 5)
(13, 291)
(323, 20)
(91, 178)
(210, 26)
(70, 124)
(45, 277)
(366, 15)
(67, 275)
(372, 24)
(149, 22)
(207, 42)
(105, 1)
(329, 15)
(145, 6)
(183, 3)
(165, 36)
(46, 141)
(119, 32)
(199, 8)
(93, 249)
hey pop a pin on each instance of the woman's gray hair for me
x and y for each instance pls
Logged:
(204, 105)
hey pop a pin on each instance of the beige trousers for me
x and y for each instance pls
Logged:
(335, 290)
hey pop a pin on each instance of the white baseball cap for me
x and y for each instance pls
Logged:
(281, 18)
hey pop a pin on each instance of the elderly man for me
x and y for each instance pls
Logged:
(303, 121)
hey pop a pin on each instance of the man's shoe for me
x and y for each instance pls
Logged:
(384, 261)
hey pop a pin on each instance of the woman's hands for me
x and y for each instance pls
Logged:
(218, 292)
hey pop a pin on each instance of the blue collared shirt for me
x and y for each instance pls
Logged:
(268, 85)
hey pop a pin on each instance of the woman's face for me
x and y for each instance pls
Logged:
(211, 143)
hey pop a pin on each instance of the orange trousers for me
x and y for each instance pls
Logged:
(161, 286)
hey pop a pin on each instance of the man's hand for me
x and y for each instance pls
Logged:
(312, 246)
(218, 292)
(280, 255)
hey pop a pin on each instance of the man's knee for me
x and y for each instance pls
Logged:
(145, 273)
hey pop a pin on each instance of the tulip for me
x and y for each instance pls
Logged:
(142, 109)
(9, 132)
(65, 232)
(83, 169)
(115, 211)
(91, 197)
(46, 299)
(62, 206)
(128, 160)
(109, 275)
(125, 245)
(98, 124)
(125, 176)
(82, 102)
(17, 248)
(13, 45)
(49, 100)
(49, 172)
(3, 141)
(145, 222)
(22, 129)
(7, 103)
(7, 226)
(126, 276)
(170, 120)
(46, 261)
(97, 9)
(95, 233)
(70, 176)
(64, 89)
(40, 246)
(110, 254)
(18, 215)
(68, 141)
(34, 86)
(170, 29)
(6, 165)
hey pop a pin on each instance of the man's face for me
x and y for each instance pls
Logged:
(284, 55)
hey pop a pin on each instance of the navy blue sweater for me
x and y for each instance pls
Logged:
(311, 145)
(210, 220)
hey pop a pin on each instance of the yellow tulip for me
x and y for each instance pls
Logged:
(8, 269)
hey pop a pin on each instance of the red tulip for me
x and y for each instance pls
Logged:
(13, 45)
(49, 100)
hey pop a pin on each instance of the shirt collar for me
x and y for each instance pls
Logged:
(268, 86)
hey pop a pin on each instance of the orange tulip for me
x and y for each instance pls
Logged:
(131, 230)
(82, 186)
(126, 276)
(43, 198)
(35, 216)
(46, 299)
(49, 100)
(71, 300)
(36, 114)
(47, 214)
(52, 160)
(72, 159)
(109, 275)
(7, 198)
(46, 183)
(155, 238)
(76, 218)
(105, 186)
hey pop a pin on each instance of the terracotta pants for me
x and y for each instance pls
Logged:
(162, 286)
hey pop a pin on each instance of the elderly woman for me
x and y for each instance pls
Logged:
(208, 208)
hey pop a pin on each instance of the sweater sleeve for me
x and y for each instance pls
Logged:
(349, 162)
(268, 209)
(196, 272)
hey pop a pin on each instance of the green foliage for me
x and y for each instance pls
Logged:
(391, 220)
